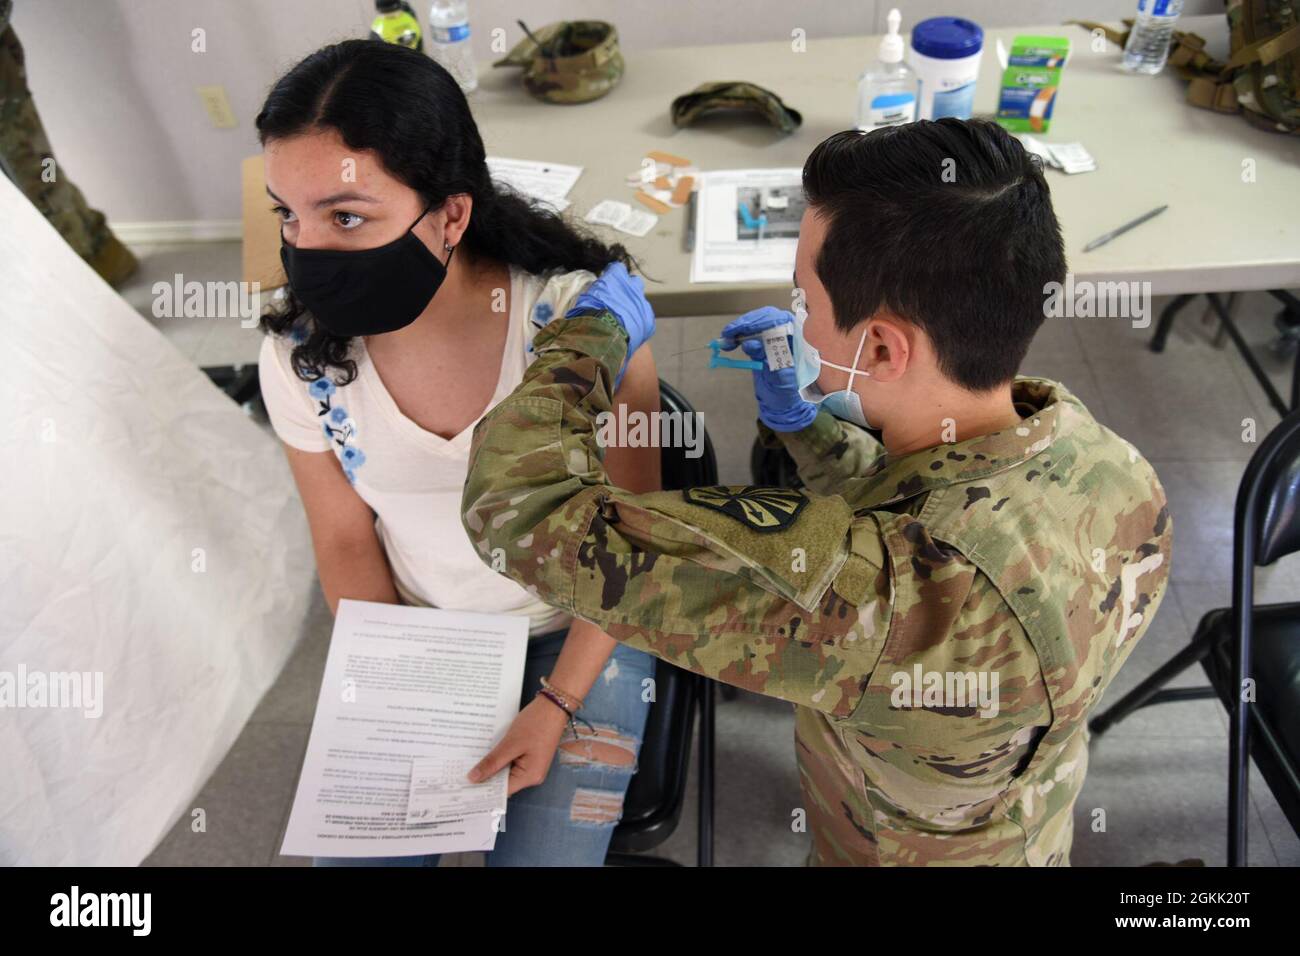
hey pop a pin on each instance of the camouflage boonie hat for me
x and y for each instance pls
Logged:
(750, 97)
(578, 61)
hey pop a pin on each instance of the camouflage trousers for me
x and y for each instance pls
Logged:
(848, 829)
(28, 161)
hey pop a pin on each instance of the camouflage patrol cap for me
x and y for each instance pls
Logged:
(577, 61)
(750, 97)
(6, 10)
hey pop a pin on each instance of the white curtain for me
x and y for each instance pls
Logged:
(150, 534)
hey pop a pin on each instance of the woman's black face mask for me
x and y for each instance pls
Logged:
(353, 292)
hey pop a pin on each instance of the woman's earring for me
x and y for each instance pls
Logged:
(447, 247)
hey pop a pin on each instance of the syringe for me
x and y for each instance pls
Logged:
(774, 341)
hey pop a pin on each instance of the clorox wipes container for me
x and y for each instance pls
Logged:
(946, 56)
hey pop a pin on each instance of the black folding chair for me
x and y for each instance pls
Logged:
(1288, 324)
(237, 381)
(773, 467)
(654, 800)
(1245, 641)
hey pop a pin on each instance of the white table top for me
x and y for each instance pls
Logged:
(1151, 147)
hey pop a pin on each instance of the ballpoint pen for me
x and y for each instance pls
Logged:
(1102, 240)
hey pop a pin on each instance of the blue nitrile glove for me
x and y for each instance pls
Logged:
(779, 406)
(623, 295)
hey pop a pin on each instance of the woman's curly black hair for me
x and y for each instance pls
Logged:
(411, 112)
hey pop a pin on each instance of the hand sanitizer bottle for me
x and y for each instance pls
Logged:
(887, 90)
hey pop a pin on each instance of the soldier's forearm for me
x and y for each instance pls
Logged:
(828, 452)
(535, 472)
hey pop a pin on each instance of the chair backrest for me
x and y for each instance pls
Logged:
(654, 799)
(773, 467)
(678, 470)
(1268, 499)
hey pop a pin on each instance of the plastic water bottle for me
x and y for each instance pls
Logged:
(449, 41)
(887, 90)
(1148, 42)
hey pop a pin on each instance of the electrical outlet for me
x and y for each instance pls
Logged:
(218, 106)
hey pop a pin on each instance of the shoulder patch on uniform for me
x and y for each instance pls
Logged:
(762, 509)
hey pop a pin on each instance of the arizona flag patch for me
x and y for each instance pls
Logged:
(762, 509)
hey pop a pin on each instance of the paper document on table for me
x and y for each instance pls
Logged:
(411, 699)
(548, 183)
(747, 225)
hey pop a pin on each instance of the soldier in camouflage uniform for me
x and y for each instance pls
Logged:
(1038, 552)
(28, 161)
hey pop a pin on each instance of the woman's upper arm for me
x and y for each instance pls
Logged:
(636, 469)
(349, 557)
(335, 512)
(293, 413)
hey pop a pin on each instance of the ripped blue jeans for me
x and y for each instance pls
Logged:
(568, 819)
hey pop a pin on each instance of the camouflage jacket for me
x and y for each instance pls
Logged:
(1034, 557)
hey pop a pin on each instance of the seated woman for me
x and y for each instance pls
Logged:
(415, 289)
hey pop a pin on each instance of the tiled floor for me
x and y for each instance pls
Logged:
(1157, 784)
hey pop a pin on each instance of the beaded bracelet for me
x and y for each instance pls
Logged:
(570, 702)
(556, 697)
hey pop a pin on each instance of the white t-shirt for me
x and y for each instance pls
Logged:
(411, 478)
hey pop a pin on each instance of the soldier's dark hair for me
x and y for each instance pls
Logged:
(412, 114)
(949, 225)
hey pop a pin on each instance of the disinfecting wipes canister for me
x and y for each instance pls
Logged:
(945, 53)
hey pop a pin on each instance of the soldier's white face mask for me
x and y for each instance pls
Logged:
(808, 363)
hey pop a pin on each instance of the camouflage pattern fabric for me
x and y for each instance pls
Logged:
(1036, 555)
(1265, 44)
(747, 97)
(1261, 78)
(577, 61)
(27, 160)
